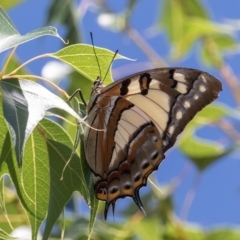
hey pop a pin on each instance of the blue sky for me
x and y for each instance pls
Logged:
(217, 199)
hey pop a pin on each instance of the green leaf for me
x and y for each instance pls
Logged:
(7, 27)
(210, 55)
(38, 183)
(32, 182)
(196, 29)
(24, 105)
(209, 114)
(204, 27)
(144, 227)
(13, 64)
(9, 214)
(63, 12)
(74, 177)
(4, 235)
(176, 14)
(72, 231)
(92, 200)
(203, 152)
(10, 3)
(172, 19)
(2, 198)
(180, 231)
(194, 8)
(224, 233)
(10, 37)
(224, 42)
(82, 58)
(213, 47)
(186, 22)
(3, 133)
(15, 110)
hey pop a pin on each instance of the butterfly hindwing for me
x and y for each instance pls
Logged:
(135, 120)
(125, 153)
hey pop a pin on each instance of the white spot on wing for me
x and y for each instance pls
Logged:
(186, 104)
(179, 115)
(179, 77)
(195, 97)
(171, 129)
(165, 142)
(182, 88)
(203, 78)
(202, 88)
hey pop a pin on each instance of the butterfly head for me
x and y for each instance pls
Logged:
(97, 86)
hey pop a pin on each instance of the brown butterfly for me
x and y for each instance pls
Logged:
(135, 120)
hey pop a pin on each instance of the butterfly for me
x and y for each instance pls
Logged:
(134, 121)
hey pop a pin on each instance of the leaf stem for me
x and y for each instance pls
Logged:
(190, 197)
(28, 61)
(7, 62)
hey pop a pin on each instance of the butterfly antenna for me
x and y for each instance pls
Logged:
(115, 54)
(94, 50)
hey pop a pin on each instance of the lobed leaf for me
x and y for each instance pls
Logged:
(24, 105)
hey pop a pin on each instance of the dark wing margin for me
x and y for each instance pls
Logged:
(196, 89)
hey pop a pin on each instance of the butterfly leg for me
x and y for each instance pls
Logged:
(79, 91)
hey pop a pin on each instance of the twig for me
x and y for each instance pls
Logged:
(189, 198)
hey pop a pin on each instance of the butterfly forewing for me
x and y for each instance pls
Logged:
(135, 120)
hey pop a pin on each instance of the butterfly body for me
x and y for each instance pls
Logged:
(135, 120)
